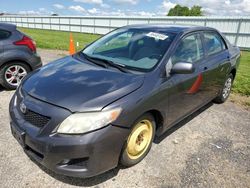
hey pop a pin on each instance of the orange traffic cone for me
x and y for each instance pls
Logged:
(72, 49)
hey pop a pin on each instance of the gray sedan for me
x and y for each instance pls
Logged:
(86, 113)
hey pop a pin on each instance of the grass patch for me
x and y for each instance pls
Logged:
(242, 81)
(49, 39)
(242, 100)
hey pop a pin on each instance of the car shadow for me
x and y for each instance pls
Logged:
(94, 181)
(1, 88)
(4, 89)
(182, 123)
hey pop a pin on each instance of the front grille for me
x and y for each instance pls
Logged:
(36, 119)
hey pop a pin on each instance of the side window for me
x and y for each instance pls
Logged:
(189, 50)
(118, 42)
(4, 34)
(213, 43)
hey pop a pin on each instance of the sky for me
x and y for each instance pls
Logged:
(122, 7)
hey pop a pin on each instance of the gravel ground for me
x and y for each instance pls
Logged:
(209, 149)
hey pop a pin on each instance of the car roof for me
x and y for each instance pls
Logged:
(170, 28)
(7, 26)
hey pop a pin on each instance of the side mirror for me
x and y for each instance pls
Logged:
(182, 68)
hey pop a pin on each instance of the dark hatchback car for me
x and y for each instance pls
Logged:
(84, 114)
(17, 56)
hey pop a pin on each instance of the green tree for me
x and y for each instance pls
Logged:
(196, 11)
(179, 10)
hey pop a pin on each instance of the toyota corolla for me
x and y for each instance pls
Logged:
(84, 114)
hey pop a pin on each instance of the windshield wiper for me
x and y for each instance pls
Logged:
(106, 62)
(91, 59)
(116, 65)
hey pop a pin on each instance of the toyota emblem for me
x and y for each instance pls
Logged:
(23, 108)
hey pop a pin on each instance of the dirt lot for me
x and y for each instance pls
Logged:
(209, 149)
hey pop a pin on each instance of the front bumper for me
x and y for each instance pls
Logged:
(79, 155)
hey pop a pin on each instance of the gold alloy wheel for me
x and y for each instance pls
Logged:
(139, 139)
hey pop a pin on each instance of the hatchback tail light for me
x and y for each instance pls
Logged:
(26, 41)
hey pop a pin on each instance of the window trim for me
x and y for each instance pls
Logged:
(185, 36)
(204, 44)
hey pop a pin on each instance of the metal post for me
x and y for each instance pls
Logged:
(109, 24)
(50, 23)
(94, 26)
(59, 24)
(238, 31)
(69, 24)
(27, 22)
(42, 23)
(205, 22)
(81, 25)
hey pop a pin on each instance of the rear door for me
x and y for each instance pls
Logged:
(4, 35)
(217, 62)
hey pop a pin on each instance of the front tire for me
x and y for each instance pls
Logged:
(226, 90)
(139, 141)
(12, 73)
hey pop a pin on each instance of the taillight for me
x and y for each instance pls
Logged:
(26, 41)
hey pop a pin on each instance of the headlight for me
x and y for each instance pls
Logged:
(79, 123)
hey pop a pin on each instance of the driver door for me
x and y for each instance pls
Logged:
(186, 92)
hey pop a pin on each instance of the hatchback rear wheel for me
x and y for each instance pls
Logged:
(139, 141)
(12, 74)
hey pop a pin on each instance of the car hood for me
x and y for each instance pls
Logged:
(79, 86)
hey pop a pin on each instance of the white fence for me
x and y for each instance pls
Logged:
(237, 30)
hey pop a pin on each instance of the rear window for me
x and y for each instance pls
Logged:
(213, 43)
(4, 34)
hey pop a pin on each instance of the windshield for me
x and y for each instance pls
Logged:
(136, 49)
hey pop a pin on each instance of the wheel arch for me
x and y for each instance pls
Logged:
(15, 60)
(233, 72)
(159, 119)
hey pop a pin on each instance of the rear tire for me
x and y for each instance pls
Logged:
(225, 91)
(12, 73)
(139, 141)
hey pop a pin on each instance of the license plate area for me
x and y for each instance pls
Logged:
(18, 134)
